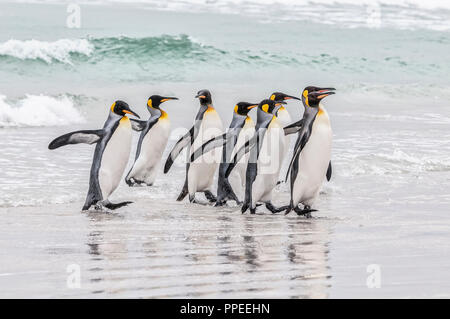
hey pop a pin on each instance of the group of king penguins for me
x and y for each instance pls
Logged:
(255, 152)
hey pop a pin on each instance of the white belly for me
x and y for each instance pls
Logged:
(285, 119)
(201, 172)
(238, 174)
(152, 148)
(313, 162)
(269, 163)
(115, 158)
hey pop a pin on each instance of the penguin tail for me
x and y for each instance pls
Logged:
(118, 205)
(183, 194)
(244, 208)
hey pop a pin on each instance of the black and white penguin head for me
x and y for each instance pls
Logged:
(121, 108)
(312, 95)
(242, 108)
(155, 101)
(270, 106)
(279, 96)
(204, 97)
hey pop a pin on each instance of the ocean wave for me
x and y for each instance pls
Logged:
(59, 50)
(38, 110)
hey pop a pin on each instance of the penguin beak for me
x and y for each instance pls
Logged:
(252, 106)
(290, 97)
(132, 113)
(324, 92)
(198, 96)
(168, 99)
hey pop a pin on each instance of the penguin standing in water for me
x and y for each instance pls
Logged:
(266, 149)
(310, 163)
(152, 142)
(110, 157)
(199, 175)
(241, 129)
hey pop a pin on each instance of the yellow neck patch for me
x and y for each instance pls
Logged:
(210, 109)
(125, 121)
(164, 116)
(321, 112)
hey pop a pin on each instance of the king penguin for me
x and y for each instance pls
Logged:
(241, 129)
(110, 157)
(310, 163)
(266, 149)
(199, 174)
(152, 142)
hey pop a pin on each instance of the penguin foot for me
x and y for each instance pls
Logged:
(113, 206)
(288, 210)
(306, 211)
(244, 208)
(274, 209)
(220, 203)
(210, 197)
(280, 182)
(130, 182)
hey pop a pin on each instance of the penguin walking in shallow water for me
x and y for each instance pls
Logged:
(310, 163)
(110, 157)
(152, 142)
(199, 174)
(266, 149)
(241, 129)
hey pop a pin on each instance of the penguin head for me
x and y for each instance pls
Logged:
(242, 108)
(312, 95)
(121, 108)
(279, 96)
(155, 101)
(270, 106)
(204, 97)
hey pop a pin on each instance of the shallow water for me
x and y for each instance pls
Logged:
(386, 205)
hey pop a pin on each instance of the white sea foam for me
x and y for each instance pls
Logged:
(38, 110)
(59, 50)
(403, 14)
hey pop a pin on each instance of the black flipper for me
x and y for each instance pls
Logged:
(213, 143)
(329, 172)
(112, 206)
(83, 136)
(241, 152)
(302, 139)
(138, 125)
(293, 128)
(183, 142)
